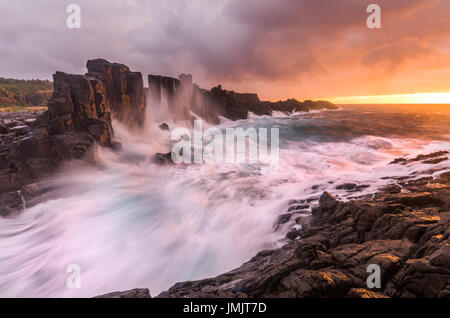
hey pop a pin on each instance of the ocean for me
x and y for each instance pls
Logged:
(128, 222)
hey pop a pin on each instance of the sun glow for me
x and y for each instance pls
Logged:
(418, 98)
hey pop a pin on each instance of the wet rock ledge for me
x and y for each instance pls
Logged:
(404, 229)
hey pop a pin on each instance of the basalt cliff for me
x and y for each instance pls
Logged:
(183, 98)
(79, 114)
(81, 111)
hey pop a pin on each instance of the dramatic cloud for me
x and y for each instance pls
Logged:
(279, 48)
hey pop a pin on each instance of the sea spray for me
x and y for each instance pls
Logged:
(128, 222)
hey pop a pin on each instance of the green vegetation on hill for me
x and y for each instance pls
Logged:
(24, 93)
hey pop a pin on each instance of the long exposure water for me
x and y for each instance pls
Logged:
(129, 222)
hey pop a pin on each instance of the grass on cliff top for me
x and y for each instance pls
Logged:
(13, 109)
(15, 93)
(20, 87)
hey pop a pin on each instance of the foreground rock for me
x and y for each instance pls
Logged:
(405, 232)
(134, 293)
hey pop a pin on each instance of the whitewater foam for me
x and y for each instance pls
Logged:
(129, 222)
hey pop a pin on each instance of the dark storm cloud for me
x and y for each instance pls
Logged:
(245, 42)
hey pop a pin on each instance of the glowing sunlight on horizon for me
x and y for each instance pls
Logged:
(416, 98)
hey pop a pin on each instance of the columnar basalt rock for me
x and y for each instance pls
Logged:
(79, 103)
(78, 116)
(163, 85)
(164, 89)
(124, 90)
(182, 96)
(179, 96)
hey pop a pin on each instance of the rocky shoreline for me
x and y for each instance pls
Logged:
(404, 229)
(34, 145)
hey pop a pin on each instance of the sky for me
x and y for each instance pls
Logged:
(306, 49)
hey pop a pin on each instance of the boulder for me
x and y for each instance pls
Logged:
(164, 127)
(364, 293)
(163, 158)
(10, 202)
(3, 129)
(282, 219)
(327, 200)
(134, 293)
(346, 186)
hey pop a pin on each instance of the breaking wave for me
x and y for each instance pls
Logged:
(129, 222)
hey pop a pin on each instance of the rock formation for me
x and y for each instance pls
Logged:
(182, 97)
(79, 114)
(124, 90)
(135, 293)
(78, 103)
(33, 148)
(160, 85)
